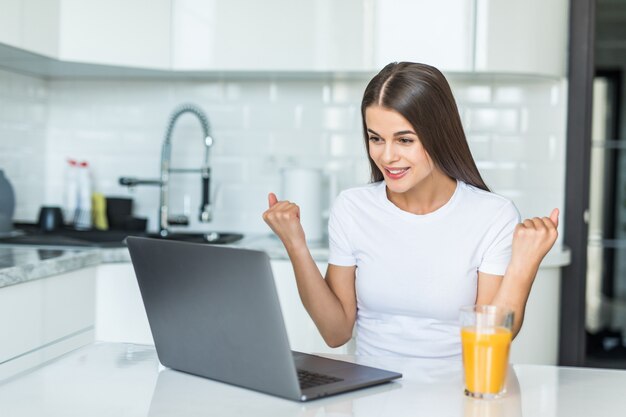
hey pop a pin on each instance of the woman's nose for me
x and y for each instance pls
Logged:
(389, 153)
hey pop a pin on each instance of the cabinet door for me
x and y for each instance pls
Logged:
(116, 32)
(437, 33)
(268, 35)
(32, 25)
(302, 332)
(10, 21)
(45, 318)
(120, 314)
(522, 36)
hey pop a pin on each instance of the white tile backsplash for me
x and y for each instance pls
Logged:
(515, 129)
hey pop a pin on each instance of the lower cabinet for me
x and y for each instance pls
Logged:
(302, 332)
(45, 318)
(121, 317)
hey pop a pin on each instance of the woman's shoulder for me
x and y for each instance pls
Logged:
(360, 192)
(488, 202)
(358, 196)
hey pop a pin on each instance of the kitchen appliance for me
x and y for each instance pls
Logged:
(303, 186)
(7, 204)
(50, 218)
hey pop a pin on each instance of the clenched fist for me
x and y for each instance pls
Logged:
(532, 240)
(283, 217)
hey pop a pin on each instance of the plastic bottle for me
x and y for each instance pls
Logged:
(70, 195)
(83, 213)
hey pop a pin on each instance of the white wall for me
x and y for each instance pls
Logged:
(23, 121)
(515, 126)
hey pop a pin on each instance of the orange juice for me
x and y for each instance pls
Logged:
(485, 358)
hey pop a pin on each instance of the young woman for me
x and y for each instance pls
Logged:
(423, 239)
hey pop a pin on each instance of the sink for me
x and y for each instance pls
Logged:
(30, 235)
(209, 237)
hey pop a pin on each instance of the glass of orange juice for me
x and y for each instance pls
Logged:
(486, 339)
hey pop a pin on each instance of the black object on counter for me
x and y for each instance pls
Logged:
(50, 218)
(118, 211)
(135, 224)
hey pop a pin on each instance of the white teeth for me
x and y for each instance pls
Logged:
(397, 171)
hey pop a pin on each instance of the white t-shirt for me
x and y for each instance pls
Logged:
(414, 272)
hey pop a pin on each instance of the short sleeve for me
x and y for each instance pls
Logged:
(340, 250)
(498, 254)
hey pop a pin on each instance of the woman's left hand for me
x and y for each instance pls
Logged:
(532, 240)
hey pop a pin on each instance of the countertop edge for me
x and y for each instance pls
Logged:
(43, 268)
(77, 259)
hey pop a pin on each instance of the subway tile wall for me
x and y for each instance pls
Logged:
(515, 128)
(23, 123)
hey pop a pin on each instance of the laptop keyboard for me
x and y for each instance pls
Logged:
(311, 379)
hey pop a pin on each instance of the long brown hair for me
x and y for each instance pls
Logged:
(421, 94)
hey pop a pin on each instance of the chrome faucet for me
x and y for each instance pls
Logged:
(165, 219)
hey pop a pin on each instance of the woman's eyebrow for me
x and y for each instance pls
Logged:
(402, 132)
(405, 132)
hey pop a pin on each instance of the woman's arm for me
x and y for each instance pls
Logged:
(532, 240)
(330, 302)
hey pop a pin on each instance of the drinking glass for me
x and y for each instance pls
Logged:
(486, 334)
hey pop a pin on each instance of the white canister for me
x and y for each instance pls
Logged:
(303, 186)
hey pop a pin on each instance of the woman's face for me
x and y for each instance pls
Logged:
(396, 150)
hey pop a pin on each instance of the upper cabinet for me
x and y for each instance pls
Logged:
(437, 33)
(509, 36)
(282, 35)
(133, 33)
(503, 36)
(31, 24)
(529, 36)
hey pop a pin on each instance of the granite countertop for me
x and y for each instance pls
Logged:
(26, 263)
(22, 263)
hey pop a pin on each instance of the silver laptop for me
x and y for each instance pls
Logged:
(214, 312)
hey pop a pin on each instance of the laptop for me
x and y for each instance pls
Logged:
(214, 312)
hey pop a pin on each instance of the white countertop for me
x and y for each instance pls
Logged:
(119, 380)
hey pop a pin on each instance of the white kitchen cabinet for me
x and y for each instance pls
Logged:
(120, 314)
(527, 36)
(303, 334)
(283, 35)
(45, 318)
(121, 317)
(32, 25)
(538, 341)
(10, 22)
(437, 33)
(116, 32)
(502, 36)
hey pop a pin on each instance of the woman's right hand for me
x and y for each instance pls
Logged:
(283, 217)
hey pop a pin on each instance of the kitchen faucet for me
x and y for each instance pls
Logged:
(165, 219)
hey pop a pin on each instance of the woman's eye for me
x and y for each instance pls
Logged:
(374, 139)
(406, 140)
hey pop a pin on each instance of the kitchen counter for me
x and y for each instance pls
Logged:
(106, 379)
(25, 263)
(22, 263)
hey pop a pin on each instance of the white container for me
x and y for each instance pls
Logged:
(303, 186)
(70, 193)
(82, 219)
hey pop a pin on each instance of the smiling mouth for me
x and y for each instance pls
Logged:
(396, 173)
